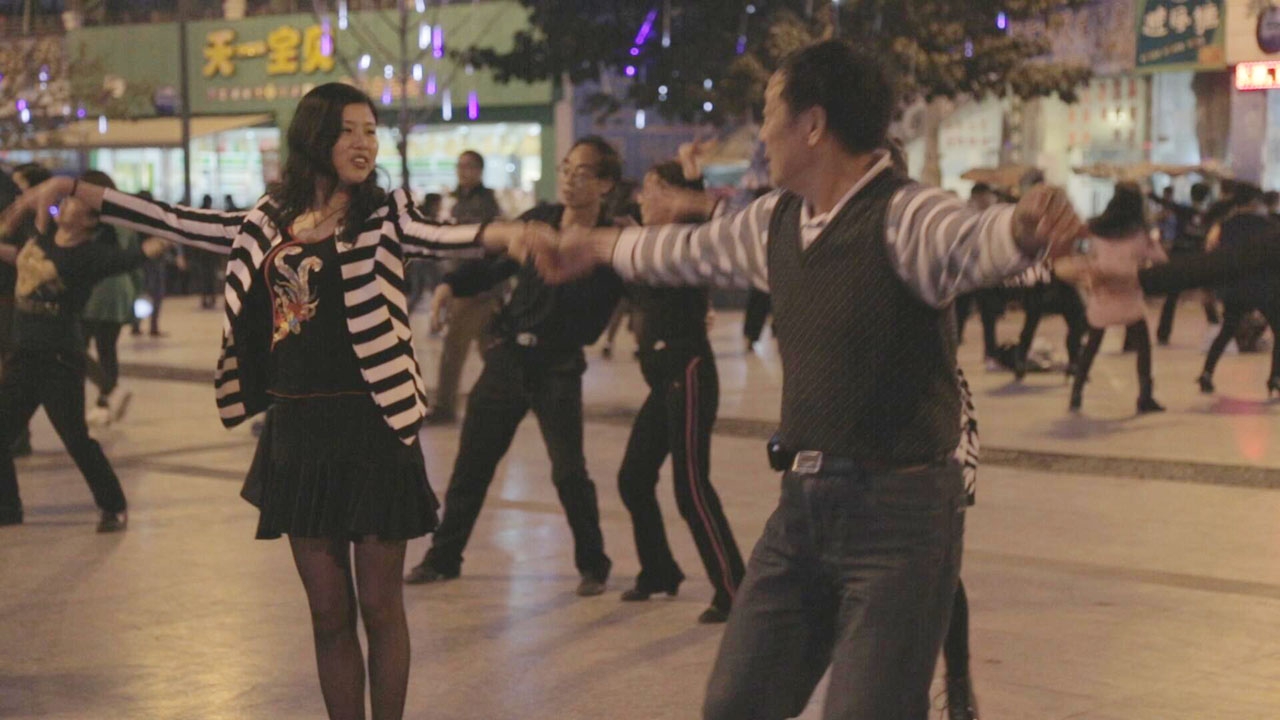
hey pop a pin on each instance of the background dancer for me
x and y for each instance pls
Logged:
(676, 419)
(317, 329)
(1122, 229)
(108, 310)
(1256, 291)
(56, 272)
(535, 364)
(468, 317)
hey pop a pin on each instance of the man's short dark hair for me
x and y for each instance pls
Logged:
(979, 189)
(609, 166)
(474, 156)
(1245, 194)
(851, 86)
(1199, 192)
(1271, 197)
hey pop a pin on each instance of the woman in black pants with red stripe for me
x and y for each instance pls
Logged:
(676, 419)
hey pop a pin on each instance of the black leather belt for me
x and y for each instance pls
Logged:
(815, 462)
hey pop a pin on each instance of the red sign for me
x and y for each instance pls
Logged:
(1258, 76)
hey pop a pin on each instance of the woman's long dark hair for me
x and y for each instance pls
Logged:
(671, 172)
(1124, 215)
(105, 233)
(316, 127)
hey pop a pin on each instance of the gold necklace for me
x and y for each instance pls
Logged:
(308, 221)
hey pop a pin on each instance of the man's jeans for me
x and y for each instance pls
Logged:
(853, 571)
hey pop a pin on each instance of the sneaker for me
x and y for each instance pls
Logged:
(118, 403)
(98, 416)
(113, 521)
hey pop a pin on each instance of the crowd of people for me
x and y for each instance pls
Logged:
(858, 568)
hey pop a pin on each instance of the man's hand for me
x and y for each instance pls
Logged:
(578, 252)
(1044, 219)
(154, 247)
(39, 199)
(439, 305)
(692, 155)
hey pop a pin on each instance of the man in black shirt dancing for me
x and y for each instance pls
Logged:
(535, 364)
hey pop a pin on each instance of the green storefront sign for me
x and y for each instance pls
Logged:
(1180, 35)
(264, 64)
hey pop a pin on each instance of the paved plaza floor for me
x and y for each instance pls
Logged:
(1118, 567)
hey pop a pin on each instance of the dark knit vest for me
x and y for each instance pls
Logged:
(868, 368)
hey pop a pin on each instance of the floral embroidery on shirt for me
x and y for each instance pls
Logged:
(294, 300)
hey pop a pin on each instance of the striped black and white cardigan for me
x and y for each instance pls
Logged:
(373, 289)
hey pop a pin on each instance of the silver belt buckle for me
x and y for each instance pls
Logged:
(807, 462)
(526, 339)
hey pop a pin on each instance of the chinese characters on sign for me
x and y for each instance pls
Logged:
(1180, 32)
(288, 52)
(1258, 76)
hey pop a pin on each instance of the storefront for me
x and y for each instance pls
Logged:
(1181, 49)
(265, 64)
(246, 77)
(1253, 51)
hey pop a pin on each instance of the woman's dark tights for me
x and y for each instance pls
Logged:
(955, 649)
(325, 567)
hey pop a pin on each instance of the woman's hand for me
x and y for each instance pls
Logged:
(438, 306)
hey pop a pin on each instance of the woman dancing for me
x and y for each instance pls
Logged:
(316, 328)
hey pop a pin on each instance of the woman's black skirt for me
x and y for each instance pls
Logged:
(331, 467)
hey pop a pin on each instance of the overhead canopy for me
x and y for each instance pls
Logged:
(1005, 177)
(147, 132)
(1143, 170)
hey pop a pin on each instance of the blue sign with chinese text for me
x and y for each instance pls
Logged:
(1180, 35)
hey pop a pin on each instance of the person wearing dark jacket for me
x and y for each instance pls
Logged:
(1191, 225)
(676, 419)
(57, 270)
(535, 364)
(1254, 291)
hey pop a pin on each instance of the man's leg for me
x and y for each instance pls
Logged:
(557, 403)
(777, 643)
(494, 410)
(18, 402)
(1165, 329)
(896, 552)
(467, 320)
(62, 394)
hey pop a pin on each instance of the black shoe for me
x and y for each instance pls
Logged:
(1148, 404)
(591, 586)
(1019, 366)
(1206, 383)
(423, 573)
(961, 704)
(10, 515)
(642, 592)
(113, 521)
(713, 616)
(1077, 398)
(439, 417)
(1273, 386)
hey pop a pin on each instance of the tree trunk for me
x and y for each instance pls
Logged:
(934, 113)
(1213, 112)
